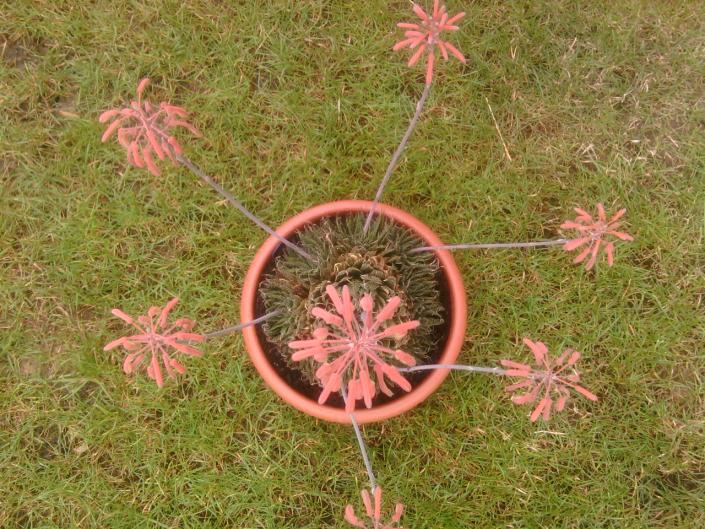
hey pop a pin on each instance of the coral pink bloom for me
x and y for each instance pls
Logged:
(373, 508)
(426, 37)
(546, 380)
(354, 351)
(154, 340)
(144, 131)
(592, 234)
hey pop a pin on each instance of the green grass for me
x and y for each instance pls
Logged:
(303, 102)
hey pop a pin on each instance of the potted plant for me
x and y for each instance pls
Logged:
(352, 311)
(426, 287)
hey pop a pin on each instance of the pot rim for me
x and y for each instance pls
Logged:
(419, 393)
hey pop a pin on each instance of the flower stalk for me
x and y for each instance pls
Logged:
(144, 131)
(549, 382)
(239, 327)
(239, 205)
(360, 443)
(397, 154)
(426, 39)
(496, 245)
(457, 367)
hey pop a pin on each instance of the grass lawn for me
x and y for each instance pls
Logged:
(303, 102)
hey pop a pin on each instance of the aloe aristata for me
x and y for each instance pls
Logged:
(373, 510)
(594, 234)
(355, 348)
(144, 130)
(550, 378)
(425, 37)
(152, 344)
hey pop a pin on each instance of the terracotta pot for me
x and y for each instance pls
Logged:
(405, 402)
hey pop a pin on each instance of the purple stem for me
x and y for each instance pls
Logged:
(532, 244)
(235, 202)
(458, 367)
(360, 443)
(397, 154)
(238, 328)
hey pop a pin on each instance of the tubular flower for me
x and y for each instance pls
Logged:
(594, 234)
(152, 343)
(356, 350)
(144, 130)
(426, 37)
(373, 509)
(546, 380)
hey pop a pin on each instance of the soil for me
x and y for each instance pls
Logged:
(297, 381)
